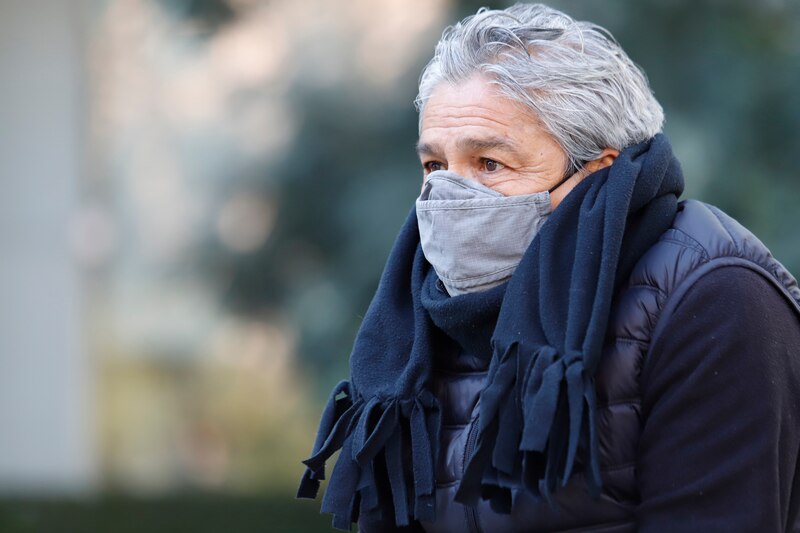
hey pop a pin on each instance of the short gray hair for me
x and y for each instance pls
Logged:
(573, 75)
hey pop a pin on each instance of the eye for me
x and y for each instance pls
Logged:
(490, 165)
(433, 166)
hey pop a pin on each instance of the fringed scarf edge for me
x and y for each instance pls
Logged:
(367, 431)
(546, 407)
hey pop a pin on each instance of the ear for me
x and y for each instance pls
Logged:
(606, 159)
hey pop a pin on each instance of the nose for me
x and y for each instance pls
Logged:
(463, 170)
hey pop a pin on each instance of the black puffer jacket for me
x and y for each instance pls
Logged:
(641, 401)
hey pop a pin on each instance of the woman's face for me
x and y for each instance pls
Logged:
(473, 130)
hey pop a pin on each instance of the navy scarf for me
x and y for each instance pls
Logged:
(549, 323)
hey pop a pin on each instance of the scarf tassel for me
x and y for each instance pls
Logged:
(362, 430)
(543, 428)
(559, 409)
(333, 429)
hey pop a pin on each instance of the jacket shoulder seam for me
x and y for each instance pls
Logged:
(724, 223)
(694, 244)
(655, 288)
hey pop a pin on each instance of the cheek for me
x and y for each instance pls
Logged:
(547, 161)
(516, 187)
(553, 164)
(530, 182)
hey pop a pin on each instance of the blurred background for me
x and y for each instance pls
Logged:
(197, 200)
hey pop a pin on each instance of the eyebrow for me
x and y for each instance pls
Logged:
(472, 144)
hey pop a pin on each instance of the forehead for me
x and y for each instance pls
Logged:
(475, 108)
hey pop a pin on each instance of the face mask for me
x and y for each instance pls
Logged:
(473, 236)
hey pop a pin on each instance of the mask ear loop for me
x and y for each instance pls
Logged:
(567, 175)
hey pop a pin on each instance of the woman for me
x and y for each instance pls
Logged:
(557, 342)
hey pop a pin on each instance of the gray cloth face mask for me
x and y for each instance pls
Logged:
(473, 236)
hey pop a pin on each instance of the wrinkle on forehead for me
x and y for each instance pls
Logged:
(476, 104)
(489, 110)
(476, 97)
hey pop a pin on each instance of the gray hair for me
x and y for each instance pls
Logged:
(574, 76)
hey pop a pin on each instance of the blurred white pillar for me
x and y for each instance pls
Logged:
(46, 426)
